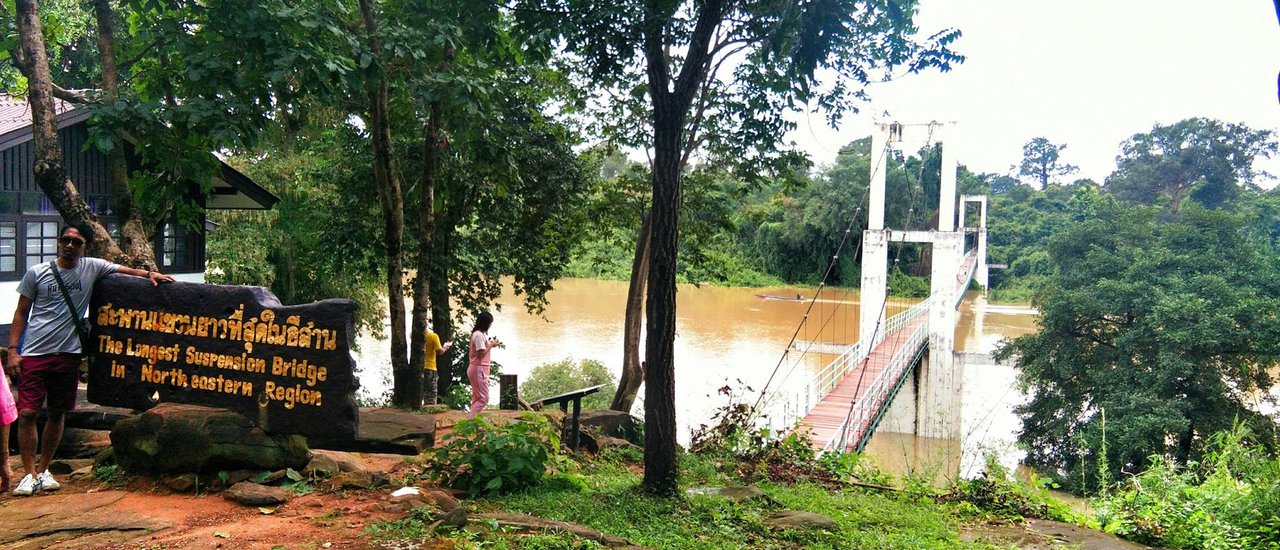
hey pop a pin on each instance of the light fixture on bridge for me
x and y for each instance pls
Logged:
(895, 132)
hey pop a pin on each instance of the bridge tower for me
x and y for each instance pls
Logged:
(939, 379)
(980, 273)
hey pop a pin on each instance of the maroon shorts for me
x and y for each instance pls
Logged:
(52, 376)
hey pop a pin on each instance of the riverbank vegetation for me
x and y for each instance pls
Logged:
(730, 495)
(1152, 379)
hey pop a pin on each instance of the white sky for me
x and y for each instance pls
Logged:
(1087, 73)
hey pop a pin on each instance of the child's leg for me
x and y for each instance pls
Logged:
(5, 474)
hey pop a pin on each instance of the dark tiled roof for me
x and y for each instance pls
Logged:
(15, 113)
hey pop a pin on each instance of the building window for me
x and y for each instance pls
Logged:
(8, 248)
(176, 249)
(42, 242)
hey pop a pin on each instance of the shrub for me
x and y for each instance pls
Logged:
(758, 453)
(481, 458)
(1230, 499)
(565, 376)
(998, 493)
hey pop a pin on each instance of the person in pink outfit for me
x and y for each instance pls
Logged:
(8, 413)
(478, 362)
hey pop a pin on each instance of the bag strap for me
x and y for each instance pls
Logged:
(75, 313)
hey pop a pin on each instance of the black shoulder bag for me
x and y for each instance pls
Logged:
(82, 330)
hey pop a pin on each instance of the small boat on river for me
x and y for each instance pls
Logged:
(797, 298)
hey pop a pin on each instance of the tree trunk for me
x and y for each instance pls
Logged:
(135, 239)
(426, 224)
(672, 102)
(49, 172)
(660, 474)
(632, 368)
(407, 381)
(441, 309)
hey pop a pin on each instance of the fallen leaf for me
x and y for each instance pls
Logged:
(222, 534)
(266, 511)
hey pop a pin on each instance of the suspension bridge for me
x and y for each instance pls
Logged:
(839, 404)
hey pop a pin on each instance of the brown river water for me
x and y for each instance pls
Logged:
(733, 337)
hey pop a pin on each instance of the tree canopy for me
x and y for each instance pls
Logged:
(1042, 162)
(1169, 326)
(1208, 161)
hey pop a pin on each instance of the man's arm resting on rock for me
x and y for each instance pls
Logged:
(155, 277)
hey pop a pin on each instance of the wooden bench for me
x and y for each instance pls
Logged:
(563, 400)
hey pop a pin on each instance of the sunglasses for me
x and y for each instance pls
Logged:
(71, 241)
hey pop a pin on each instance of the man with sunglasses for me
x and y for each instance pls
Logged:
(44, 347)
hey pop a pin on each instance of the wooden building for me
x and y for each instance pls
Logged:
(29, 224)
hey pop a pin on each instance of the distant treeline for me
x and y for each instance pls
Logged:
(740, 232)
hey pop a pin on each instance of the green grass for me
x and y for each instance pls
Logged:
(611, 503)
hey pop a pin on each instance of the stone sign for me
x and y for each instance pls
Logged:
(288, 368)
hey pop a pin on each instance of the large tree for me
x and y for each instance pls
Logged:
(715, 76)
(1042, 162)
(1167, 326)
(1207, 160)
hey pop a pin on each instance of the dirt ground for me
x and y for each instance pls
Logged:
(84, 514)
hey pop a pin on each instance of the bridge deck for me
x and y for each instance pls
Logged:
(827, 418)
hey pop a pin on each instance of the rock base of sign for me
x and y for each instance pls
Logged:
(174, 438)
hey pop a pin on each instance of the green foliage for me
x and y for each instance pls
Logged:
(612, 504)
(1167, 325)
(907, 286)
(1206, 160)
(481, 458)
(998, 494)
(1228, 500)
(110, 474)
(564, 376)
(320, 241)
(1041, 162)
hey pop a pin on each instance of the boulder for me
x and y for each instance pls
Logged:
(800, 521)
(252, 494)
(321, 466)
(83, 444)
(443, 500)
(595, 443)
(357, 480)
(612, 423)
(83, 473)
(347, 462)
(181, 483)
(176, 438)
(65, 466)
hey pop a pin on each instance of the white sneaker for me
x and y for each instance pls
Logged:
(27, 487)
(47, 483)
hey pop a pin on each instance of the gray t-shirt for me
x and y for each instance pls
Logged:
(50, 329)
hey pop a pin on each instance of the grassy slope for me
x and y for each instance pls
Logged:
(603, 495)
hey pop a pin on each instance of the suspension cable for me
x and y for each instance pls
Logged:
(844, 239)
(916, 191)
